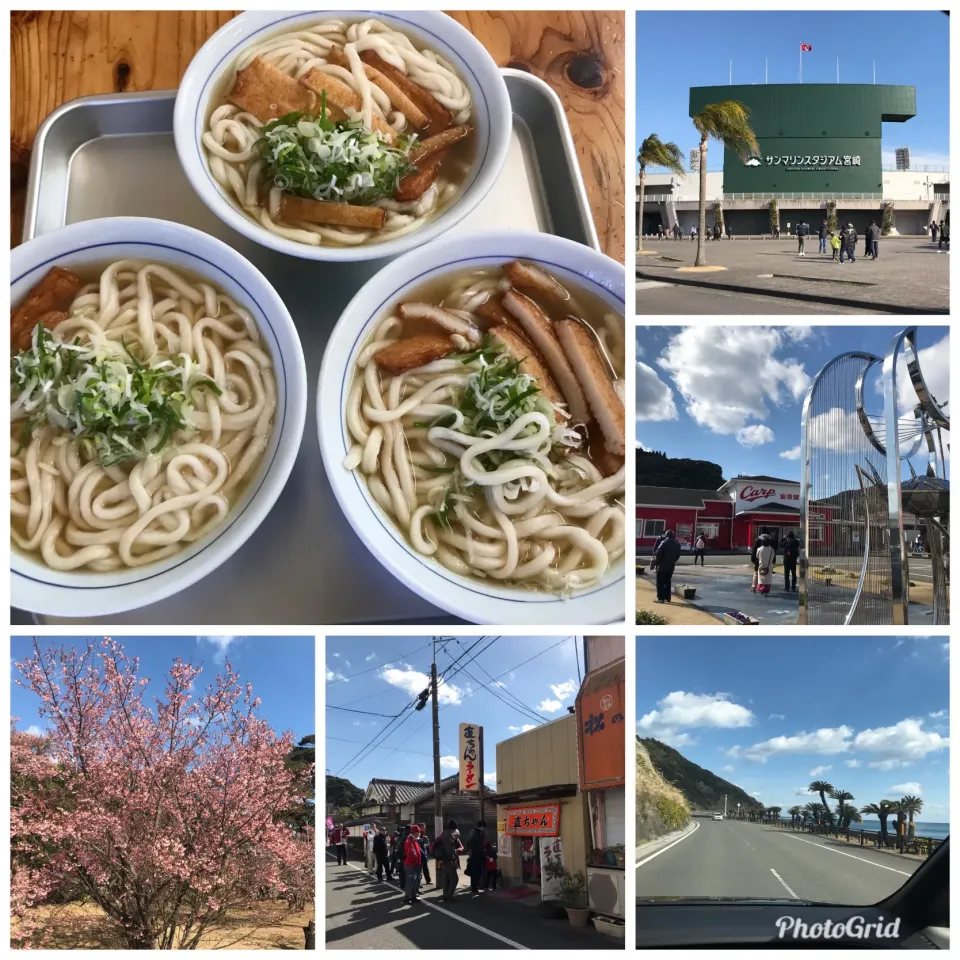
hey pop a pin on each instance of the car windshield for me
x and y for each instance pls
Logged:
(811, 769)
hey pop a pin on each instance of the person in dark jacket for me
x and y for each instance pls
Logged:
(475, 845)
(944, 240)
(445, 851)
(382, 854)
(665, 559)
(933, 230)
(790, 546)
(490, 868)
(398, 856)
(425, 847)
(717, 232)
(848, 243)
(824, 236)
(803, 231)
(872, 237)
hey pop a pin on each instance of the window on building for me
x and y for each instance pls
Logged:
(607, 827)
(653, 528)
(816, 534)
(710, 530)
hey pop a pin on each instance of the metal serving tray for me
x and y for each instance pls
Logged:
(114, 155)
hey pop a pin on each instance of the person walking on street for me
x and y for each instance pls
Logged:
(835, 244)
(766, 557)
(659, 231)
(762, 540)
(693, 233)
(400, 858)
(425, 847)
(699, 549)
(412, 865)
(665, 560)
(933, 230)
(873, 240)
(802, 230)
(445, 850)
(791, 553)
(848, 243)
(944, 236)
(824, 236)
(490, 866)
(475, 844)
(340, 834)
(382, 854)
(717, 232)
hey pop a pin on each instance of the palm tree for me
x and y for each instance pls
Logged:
(881, 811)
(853, 816)
(795, 812)
(823, 788)
(840, 796)
(655, 153)
(813, 812)
(912, 806)
(727, 122)
(899, 808)
(775, 814)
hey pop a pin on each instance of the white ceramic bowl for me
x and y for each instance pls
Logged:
(34, 586)
(493, 120)
(472, 599)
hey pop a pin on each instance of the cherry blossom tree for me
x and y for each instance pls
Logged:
(166, 815)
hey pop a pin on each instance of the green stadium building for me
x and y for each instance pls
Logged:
(818, 144)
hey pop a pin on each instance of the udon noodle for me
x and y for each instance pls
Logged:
(369, 78)
(466, 440)
(141, 405)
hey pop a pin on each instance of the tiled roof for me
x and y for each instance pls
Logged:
(381, 791)
(677, 497)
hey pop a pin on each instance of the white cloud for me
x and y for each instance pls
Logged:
(755, 435)
(729, 376)
(728, 768)
(827, 740)
(792, 454)
(523, 729)
(853, 764)
(777, 716)
(910, 788)
(222, 645)
(901, 744)
(549, 706)
(35, 731)
(334, 675)
(337, 655)
(679, 711)
(490, 779)
(421, 776)
(565, 690)
(414, 682)
(820, 771)
(370, 657)
(449, 763)
(654, 397)
(937, 714)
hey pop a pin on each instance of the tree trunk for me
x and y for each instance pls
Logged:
(310, 936)
(643, 190)
(701, 260)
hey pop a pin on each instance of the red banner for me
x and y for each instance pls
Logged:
(542, 820)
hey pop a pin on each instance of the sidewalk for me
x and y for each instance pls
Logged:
(364, 914)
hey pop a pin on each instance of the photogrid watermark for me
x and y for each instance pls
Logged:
(854, 928)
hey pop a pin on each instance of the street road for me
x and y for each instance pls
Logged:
(363, 914)
(732, 858)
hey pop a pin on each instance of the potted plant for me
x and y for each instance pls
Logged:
(685, 590)
(573, 896)
(739, 619)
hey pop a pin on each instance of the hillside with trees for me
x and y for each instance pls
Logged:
(342, 794)
(702, 789)
(655, 469)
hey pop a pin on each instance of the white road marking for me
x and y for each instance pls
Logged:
(784, 882)
(821, 846)
(650, 284)
(433, 906)
(696, 827)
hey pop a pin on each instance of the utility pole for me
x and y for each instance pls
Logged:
(724, 806)
(437, 797)
(480, 738)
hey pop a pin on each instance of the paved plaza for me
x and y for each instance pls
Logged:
(911, 276)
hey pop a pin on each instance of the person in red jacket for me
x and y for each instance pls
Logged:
(340, 834)
(412, 864)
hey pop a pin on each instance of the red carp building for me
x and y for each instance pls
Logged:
(730, 518)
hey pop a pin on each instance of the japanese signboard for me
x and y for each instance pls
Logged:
(601, 728)
(797, 162)
(504, 844)
(469, 756)
(551, 852)
(751, 495)
(542, 820)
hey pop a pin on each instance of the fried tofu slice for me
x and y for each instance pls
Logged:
(51, 295)
(415, 185)
(397, 97)
(440, 141)
(268, 93)
(492, 311)
(335, 214)
(339, 95)
(606, 462)
(413, 352)
(539, 331)
(530, 362)
(537, 283)
(438, 116)
(605, 403)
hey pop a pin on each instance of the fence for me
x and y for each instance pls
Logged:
(919, 846)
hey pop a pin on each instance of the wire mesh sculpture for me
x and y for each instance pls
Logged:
(853, 565)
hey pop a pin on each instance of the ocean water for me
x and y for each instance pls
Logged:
(937, 831)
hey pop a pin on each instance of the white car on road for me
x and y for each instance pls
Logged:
(718, 816)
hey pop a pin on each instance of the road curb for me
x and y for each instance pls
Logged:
(654, 846)
(685, 281)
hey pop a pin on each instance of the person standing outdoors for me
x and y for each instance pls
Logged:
(340, 834)
(412, 864)
(873, 240)
(848, 243)
(425, 847)
(382, 854)
(824, 236)
(699, 549)
(802, 231)
(445, 850)
(933, 230)
(791, 553)
(667, 555)
(475, 855)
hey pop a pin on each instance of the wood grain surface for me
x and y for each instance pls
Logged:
(57, 56)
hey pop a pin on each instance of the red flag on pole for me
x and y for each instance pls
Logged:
(806, 47)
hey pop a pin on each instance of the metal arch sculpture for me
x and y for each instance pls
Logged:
(853, 567)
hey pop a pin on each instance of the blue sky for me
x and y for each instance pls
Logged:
(734, 395)
(396, 669)
(759, 714)
(679, 50)
(280, 669)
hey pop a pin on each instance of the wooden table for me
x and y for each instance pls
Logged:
(57, 56)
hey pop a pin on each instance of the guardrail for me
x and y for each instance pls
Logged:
(817, 197)
(919, 846)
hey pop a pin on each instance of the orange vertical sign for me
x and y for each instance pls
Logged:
(601, 728)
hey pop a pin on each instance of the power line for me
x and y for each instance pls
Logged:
(360, 673)
(389, 716)
(519, 705)
(576, 656)
(419, 753)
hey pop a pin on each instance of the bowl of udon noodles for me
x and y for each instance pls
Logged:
(158, 397)
(342, 135)
(471, 419)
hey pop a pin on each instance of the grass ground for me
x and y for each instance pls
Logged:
(265, 925)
